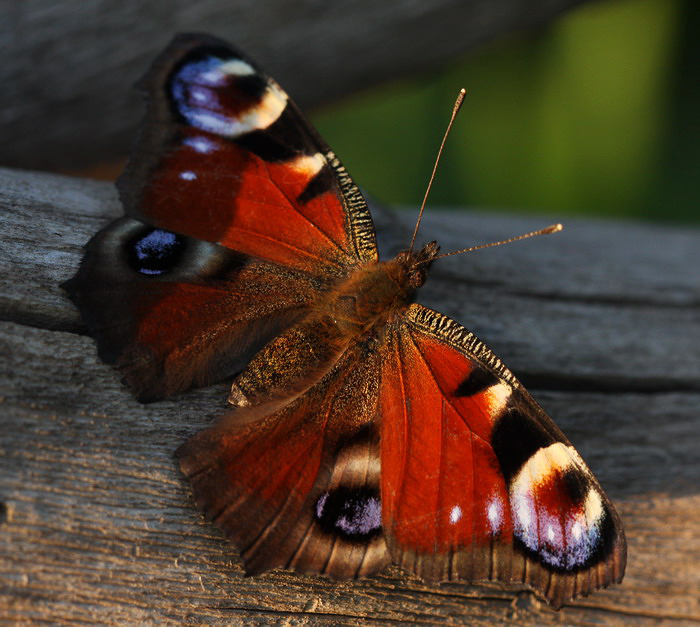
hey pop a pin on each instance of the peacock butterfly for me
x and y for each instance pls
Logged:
(364, 429)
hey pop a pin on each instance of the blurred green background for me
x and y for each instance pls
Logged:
(596, 114)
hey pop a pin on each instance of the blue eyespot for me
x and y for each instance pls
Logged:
(219, 93)
(354, 514)
(155, 252)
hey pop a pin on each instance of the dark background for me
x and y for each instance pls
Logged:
(572, 107)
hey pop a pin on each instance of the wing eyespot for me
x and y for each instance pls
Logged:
(351, 513)
(154, 252)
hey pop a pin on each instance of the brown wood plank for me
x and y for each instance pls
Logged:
(96, 525)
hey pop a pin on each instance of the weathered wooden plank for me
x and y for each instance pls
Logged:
(97, 525)
(66, 64)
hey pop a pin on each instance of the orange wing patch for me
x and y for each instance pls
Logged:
(442, 489)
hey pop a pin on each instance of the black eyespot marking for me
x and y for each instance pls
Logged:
(606, 540)
(154, 251)
(253, 86)
(204, 52)
(366, 433)
(353, 514)
(266, 146)
(321, 183)
(285, 139)
(575, 484)
(515, 439)
(477, 381)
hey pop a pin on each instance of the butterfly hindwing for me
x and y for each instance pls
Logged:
(173, 312)
(477, 482)
(300, 488)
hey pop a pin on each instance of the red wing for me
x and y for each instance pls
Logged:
(226, 157)
(477, 481)
(299, 489)
(239, 216)
(172, 312)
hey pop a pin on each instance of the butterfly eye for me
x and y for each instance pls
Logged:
(416, 278)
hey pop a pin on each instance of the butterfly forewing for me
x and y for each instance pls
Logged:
(226, 157)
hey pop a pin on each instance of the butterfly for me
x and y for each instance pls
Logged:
(364, 429)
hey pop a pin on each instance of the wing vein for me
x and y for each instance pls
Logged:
(442, 391)
(294, 207)
(300, 251)
(406, 401)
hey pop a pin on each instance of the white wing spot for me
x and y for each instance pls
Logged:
(201, 145)
(497, 396)
(593, 507)
(494, 512)
(308, 165)
(200, 95)
(577, 531)
(236, 67)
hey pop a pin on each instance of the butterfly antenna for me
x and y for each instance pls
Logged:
(455, 111)
(552, 228)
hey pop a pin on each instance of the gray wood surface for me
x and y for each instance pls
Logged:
(96, 524)
(66, 64)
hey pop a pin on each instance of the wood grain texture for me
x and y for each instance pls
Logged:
(65, 63)
(96, 524)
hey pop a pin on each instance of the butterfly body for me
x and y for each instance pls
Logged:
(363, 429)
(362, 304)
